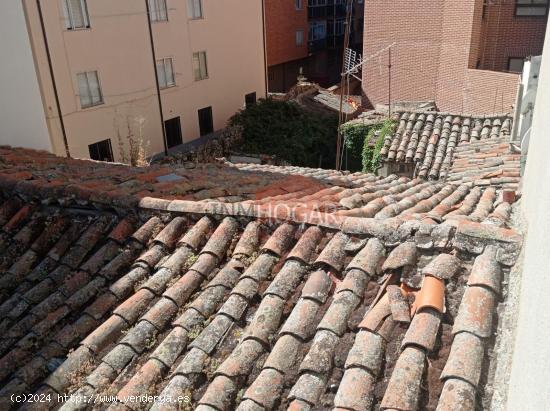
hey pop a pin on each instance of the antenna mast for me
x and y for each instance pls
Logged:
(350, 67)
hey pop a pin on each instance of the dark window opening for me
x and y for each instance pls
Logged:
(515, 64)
(206, 123)
(250, 99)
(532, 8)
(101, 151)
(173, 132)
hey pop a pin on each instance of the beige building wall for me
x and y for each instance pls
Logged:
(22, 120)
(117, 45)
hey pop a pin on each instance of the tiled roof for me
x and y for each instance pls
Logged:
(430, 140)
(39, 171)
(253, 305)
(250, 188)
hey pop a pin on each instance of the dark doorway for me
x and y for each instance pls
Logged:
(173, 132)
(250, 99)
(206, 124)
(101, 151)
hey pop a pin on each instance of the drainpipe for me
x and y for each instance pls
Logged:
(265, 49)
(54, 83)
(156, 76)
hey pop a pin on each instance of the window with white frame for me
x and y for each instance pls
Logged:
(76, 14)
(200, 68)
(317, 30)
(339, 27)
(89, 89)
(299, 37)
(532, 7)
(298, 4)
(165, 72)
(194, 9)
(158, 10)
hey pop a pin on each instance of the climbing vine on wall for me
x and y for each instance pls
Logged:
(368, 140)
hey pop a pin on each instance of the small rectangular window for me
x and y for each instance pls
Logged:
(101, 151)
(89, 89)
(317, 30)
(515, 64)
(299, 37)
(76, 14)
(339, 27)
(206, 122)
(200, 68)
(298, 4)
(250, 99)
(158, 10)
(194, 9)
(173, 132)
(165, 72)
(532, 8)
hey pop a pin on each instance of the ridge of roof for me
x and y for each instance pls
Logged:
(184, 297)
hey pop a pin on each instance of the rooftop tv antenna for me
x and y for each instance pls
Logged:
(351, 65)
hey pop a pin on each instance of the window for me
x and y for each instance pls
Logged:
(316, 3)
(158, 10)
(515, 64)
(339, 27)
(317, 30)
(89, 89)
(194, 9)
(101, 151)
(206, 123)
(76, 14)
(298, 4)
(165, 72)
(250, 99)
(200, 67)
(531, 7)
(173, 132)
(299, 37)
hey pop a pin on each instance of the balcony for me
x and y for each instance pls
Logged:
(316, 12)
(320, 12)
(336, 11)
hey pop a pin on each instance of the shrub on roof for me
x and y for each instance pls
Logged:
(288, 131)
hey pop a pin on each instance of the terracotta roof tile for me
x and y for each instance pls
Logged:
(221, 300)
(441, 145)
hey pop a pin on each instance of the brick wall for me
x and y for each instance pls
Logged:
(509, 36)
(488, 92)
(282, 20)
(415, 58)
(438, 49)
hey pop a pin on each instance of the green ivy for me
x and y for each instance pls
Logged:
(360, 138)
